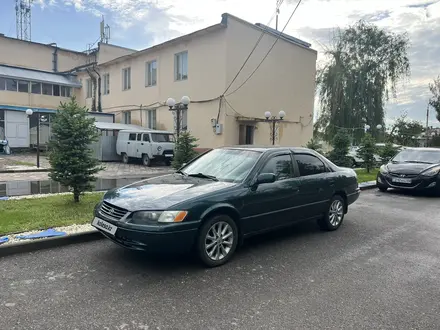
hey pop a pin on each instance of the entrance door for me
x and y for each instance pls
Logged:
(17, 129)
(246, 134)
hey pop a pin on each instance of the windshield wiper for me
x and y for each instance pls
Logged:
(205, 176)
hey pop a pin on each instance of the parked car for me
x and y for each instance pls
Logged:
(225, 195)
(358, 162)
(411, 169)
(147, 145)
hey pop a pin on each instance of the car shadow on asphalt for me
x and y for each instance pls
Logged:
(163, 264)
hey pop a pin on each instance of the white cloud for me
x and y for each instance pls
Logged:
(313, 21)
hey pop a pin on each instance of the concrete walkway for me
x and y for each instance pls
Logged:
(112, 169)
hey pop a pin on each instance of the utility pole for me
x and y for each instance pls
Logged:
(427, 125)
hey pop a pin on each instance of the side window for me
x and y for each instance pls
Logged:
(281, 166)
(309, 165)
(139, 137)
(132, 137)
(146, 138)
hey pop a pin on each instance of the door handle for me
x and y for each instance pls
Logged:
(128, 142)
(142, 144)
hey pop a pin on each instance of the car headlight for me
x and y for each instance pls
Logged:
(383, 169)
(153, 217)
(159, 148)
(431, 171)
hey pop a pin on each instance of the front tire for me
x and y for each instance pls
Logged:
(217, 240)
(334, 216)
(382, 188)
(146, 160)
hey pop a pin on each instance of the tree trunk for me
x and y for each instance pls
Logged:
(76, 196)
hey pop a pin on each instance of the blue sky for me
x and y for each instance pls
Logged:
(141, 23)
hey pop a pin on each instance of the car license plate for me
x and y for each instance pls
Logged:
(168, 155)
(104, 226)
(401, 180)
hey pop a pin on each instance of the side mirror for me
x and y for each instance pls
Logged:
(265, 178)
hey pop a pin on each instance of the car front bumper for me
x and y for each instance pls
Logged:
(417, 183)
(163, 241)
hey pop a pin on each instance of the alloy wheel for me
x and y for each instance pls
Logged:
(219, 240)
(336, 213)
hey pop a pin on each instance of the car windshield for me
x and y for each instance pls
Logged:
(231, 165)
(162, 137)
(417, 156)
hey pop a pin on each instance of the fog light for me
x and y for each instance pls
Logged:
(431, 185)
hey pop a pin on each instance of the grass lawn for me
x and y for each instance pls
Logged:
(20, 163)
(363, 176)
(46, 212)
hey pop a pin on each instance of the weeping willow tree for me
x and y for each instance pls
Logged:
(365, 65)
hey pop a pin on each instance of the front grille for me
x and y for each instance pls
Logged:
(112, 212)
(398, 175)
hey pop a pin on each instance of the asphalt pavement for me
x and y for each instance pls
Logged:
(380, 270)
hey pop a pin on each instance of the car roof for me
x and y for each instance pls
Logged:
(423, 148)
(144, 131)
(266, 148)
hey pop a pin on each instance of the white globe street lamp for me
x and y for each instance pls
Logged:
(274, 120)
(178, 108)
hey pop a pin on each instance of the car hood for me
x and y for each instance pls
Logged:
(162, 192)
(408, 168)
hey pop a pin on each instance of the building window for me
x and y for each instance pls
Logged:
(152, 119)
(88, 88)
(151, 73)
(126, 79)
(2, 84)
(47, 89)
(23, 86)
(2, 125)
(11, 85)
(106, 83)
(65, 91)
(127, 117)
(181, 66)
(56, 90)
(35, 88)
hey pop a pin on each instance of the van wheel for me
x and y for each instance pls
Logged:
(146, 160)
(168, 162)
(125, 158)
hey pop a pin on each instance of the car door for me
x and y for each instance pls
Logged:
(145, 145)
(131, 145)
(316, 185)
(271, 205)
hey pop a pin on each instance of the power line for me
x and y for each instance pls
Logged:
(256, 45)
(270, 49)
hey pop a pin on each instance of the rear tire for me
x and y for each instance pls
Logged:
(217, 240)
(146, 160)
(125, 158)
(334, 216)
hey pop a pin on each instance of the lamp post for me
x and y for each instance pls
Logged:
(273, 120)
(178, 108)
(29, 113)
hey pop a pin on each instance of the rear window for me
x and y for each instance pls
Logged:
(162, 137)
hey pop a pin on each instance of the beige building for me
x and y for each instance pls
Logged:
(134, 85)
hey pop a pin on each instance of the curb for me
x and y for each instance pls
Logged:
(25, 171)
(368, 185)
(48, 243)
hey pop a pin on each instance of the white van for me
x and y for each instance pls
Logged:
(145, 144)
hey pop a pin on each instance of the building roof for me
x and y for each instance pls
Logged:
(117, 126)
(18, 108)
(223, 24)
(38, 76)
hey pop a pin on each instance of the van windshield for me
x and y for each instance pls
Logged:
(162, 137)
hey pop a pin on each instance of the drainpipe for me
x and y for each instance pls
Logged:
(54, 57)
(93, 79)
(99, 90)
